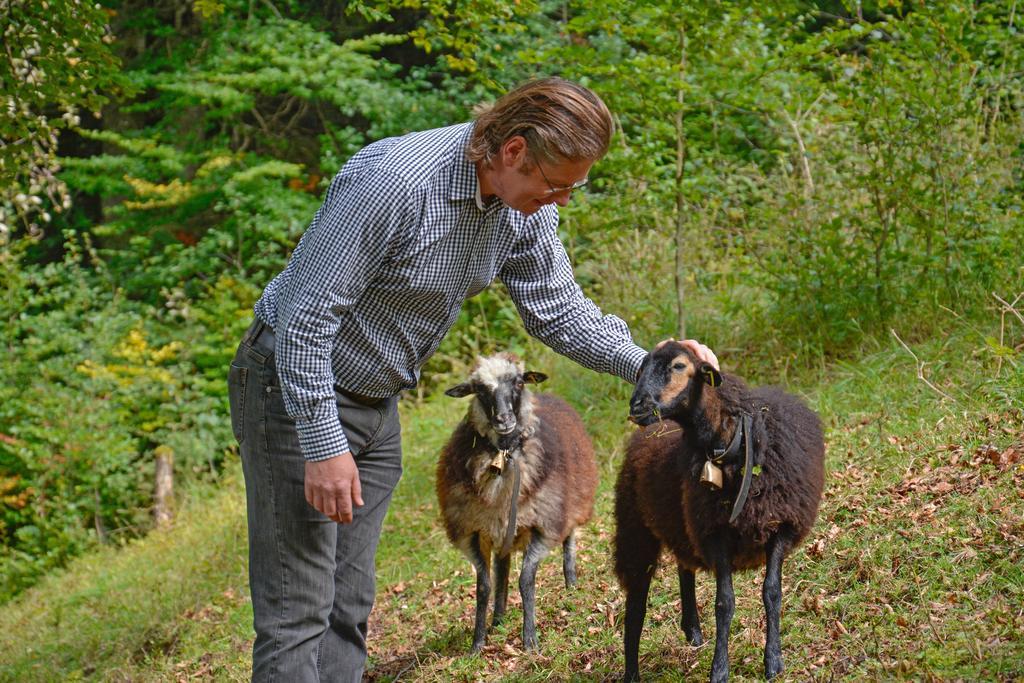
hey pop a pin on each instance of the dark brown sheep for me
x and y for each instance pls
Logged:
(512, 438)
(691, 414)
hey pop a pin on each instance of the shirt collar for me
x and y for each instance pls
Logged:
(479, 199)
(465, 184)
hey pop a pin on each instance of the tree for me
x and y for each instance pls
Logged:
(681, 79)
(56, 60)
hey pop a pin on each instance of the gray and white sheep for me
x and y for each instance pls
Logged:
(513, 438)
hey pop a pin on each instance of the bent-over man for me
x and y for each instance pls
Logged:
(410, 228)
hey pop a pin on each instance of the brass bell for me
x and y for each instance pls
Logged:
(711, 475)
(498, 462)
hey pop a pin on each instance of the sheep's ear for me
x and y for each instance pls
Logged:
(531, 377)
(711, 375)
(460, 390)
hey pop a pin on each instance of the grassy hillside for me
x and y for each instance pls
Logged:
(171, 605)
(914, 570)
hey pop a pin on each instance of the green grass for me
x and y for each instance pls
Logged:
(174, 602)
(913, 572)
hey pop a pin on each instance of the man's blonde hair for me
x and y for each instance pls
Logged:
(560, 120)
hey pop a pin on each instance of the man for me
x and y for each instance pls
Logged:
(410, 228)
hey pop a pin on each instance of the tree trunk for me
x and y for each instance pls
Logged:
(805, 162)
(680, 237)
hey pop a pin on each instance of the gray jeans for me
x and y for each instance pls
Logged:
(312, 580)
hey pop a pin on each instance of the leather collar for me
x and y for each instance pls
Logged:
(742, 440)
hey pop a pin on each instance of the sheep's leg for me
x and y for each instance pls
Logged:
(636, 561)
(772, 595)
(501, 570)
(689, 620)
(569, 559)
(725, 606)
(483, 592)
(638, 585)
(535, 551)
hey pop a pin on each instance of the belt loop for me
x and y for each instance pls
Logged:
(253, 332)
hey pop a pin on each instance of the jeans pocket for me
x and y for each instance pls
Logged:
(236, 397)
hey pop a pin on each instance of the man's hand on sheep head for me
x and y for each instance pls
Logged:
(702, 352)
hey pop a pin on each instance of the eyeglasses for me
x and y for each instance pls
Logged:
(555, 190)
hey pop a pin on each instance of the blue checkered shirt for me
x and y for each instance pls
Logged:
(379, 276)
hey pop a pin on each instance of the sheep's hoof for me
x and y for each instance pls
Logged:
(530, 643)
(772, 666)
(719, 674)
(477, 646)
(691, 629)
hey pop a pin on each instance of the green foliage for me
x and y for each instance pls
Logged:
(205, 193)
(909, 206)
(836, 173)
(248, 69)
(64, 446)
(86, 401)
(229, 173)
(57, 61)
(700, 95)
(476, 38)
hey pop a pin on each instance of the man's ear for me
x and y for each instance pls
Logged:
(460, 390)
(514, 151)
(711, 375)
(531, 377)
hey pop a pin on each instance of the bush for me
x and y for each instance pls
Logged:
(96, 384)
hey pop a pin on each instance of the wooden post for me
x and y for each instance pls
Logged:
(163, 494)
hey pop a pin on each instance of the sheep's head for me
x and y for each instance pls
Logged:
(671, 380)
(498, 385)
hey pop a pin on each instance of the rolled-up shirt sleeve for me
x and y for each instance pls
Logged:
(554, 309)
(362, 218)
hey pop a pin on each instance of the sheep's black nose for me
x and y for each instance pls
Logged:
(641, 404)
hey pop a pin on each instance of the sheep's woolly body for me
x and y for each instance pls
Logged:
(475, 499)
(663, 468)
(549, 449)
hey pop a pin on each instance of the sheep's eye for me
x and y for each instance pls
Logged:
(679, 367)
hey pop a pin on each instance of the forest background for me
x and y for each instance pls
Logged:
(827, 193)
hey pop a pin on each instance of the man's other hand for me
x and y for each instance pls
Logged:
(332, 487)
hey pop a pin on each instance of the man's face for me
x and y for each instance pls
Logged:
(525, 183)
